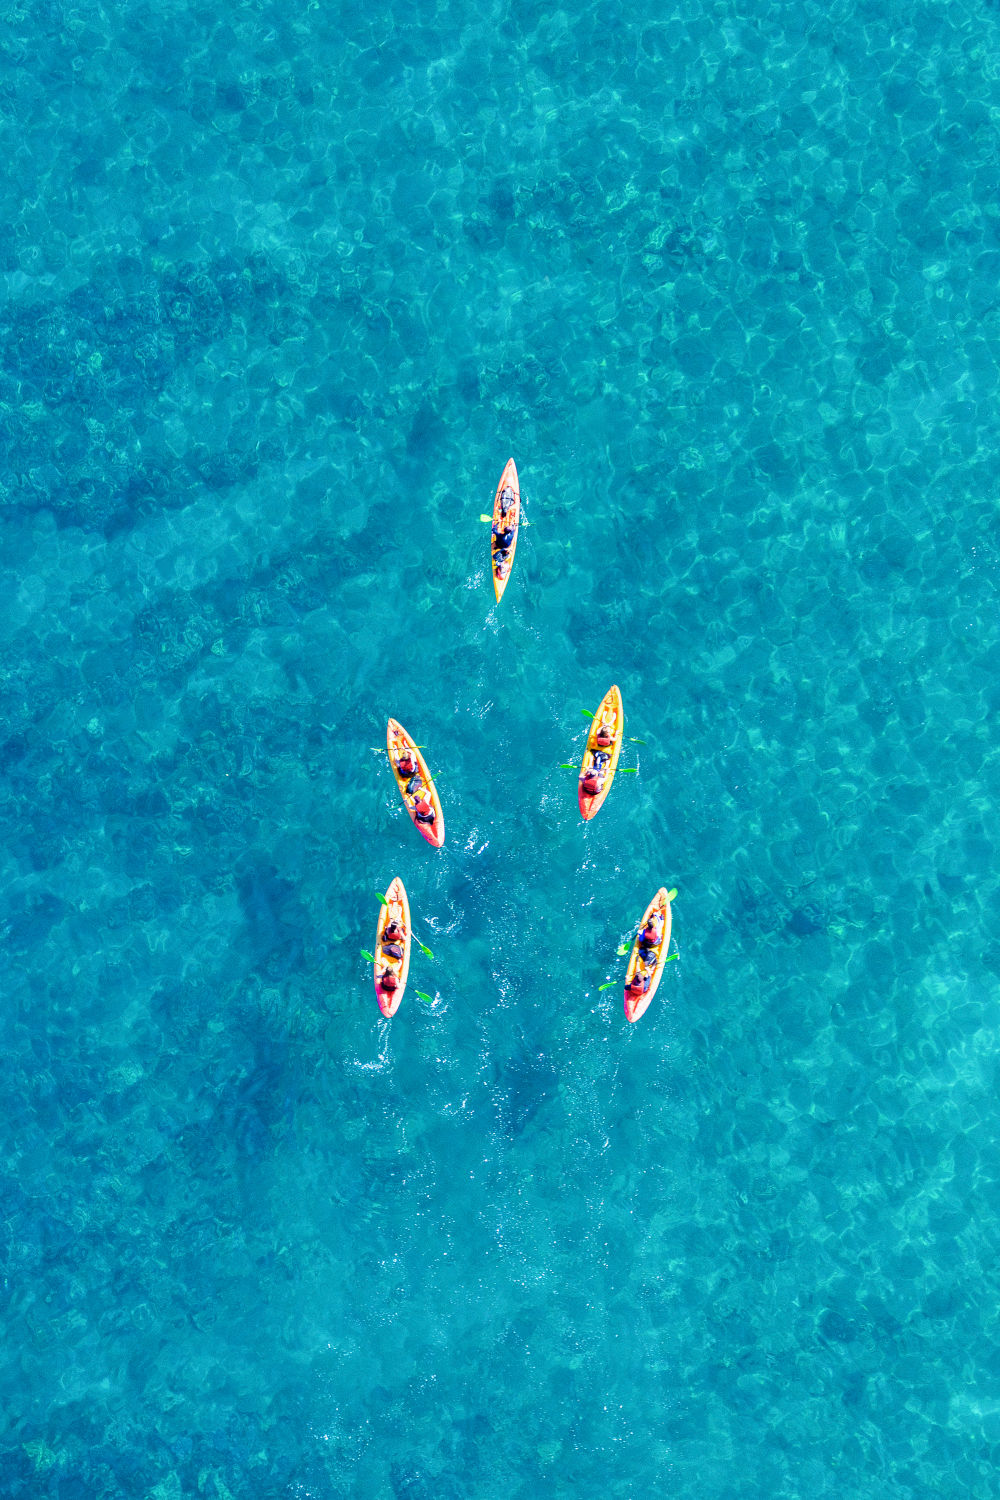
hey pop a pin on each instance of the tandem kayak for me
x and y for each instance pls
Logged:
(647, 960)
(506, 519)
(416, 788)
(600, 759)
(392, 949)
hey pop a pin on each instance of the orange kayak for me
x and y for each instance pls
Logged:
(648, 962)
(506, 512)
(396, 909)
(610, 717)
(397, 740)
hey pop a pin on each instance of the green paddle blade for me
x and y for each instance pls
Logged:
(370, 956)
(586, 713)
(634, 741)
(629, 770)
(381, 898)
(621, 949)
(565, 765)
(672, 894)
(606, 986)
(427, 999)
(671, 958)
(423, 948)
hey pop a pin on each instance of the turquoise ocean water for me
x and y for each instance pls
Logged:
(284, 285)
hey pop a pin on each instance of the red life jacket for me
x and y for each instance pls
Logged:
(423, 806)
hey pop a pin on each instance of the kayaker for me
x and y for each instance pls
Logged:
(592, 782)
(504, 534)
(503, 564)
(387, 981)
(423, 811)
(637, 986)
(604, 737)
(652, 934)
(406, 765)
(393, 937)
(415, 785)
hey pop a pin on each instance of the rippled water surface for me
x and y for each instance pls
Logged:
(283, 288)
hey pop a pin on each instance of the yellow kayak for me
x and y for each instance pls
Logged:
(506, 516)
(600, 759)
(425, 810)
(646, 960)
(397, 911)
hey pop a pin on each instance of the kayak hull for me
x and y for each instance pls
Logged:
(397, 906)
(509, 476)
(610, 713)
(396, 741)
(660, 903)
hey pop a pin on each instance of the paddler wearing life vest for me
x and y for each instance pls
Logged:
(393, 937)
(423, 809)
(636, 987)
(651, 937)
(387, 982)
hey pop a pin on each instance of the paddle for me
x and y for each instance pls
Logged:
(427, 999)
(419, 944)
(488, 519)
(370, 956)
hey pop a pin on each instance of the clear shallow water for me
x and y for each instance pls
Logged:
(283, 289)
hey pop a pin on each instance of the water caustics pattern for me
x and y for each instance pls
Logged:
(283, 288)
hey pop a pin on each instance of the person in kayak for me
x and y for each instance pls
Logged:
(592, 782)
(651, 935)
(393, 936)
(604, 737)
(387, 981)
(406, 765)
(504, 533)
(592, 779)
(502, 560)
(637, 986)
(422, 809)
